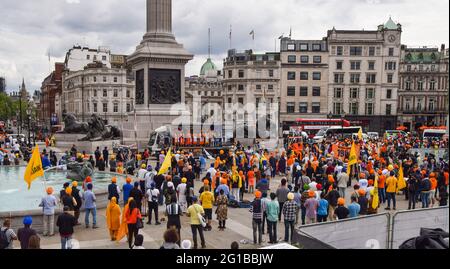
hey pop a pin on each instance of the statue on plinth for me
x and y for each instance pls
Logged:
(99, 131)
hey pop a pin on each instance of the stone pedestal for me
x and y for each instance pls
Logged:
(66, 141)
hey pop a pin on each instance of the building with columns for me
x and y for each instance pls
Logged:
(363, 75)
(107, 92)
(250, 78)
(304, 80)
(423, 93)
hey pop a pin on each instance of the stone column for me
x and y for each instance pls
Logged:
(159, 16)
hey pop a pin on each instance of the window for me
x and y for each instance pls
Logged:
(291, 47)
(259, 58)
(303, 91)
(95, 57)
(303, 108)
(354, 108)
(340, 51)
(291, 75)
(408, 68)
(337, 93)
(304, 47)
(230, 73)
(339, 65)
(355, 78)
(241, 100)
(369, 109)
(116, 93)
(420, 67)
(105, 93)
(371, 65)
(355, 65)
(290, 108)
(88, 57)
(337, 108)
(292, 59)
(230, 101)
(391, 51)
(258, 100)
(116, 107)
(95, 93)
(431, 105)
(304, 59)
(128, 93)
(103, 58)
(316, 91)
(258, 87)
(370, 93)
(420, 85)
(371, 78)
(355, 51)
(317, 59)
(388, 109)
(303, 75)
(95, 107)
(354, 93)
(390, 78)
(241, 73)
(241, 87)
(105, 107)
(408, 104)
(95, 79)
(371, 52)
(317, 76)
(104, 79)
(317, 47)
(115, 79)
(271, 73)
(408, 85)
(316, 108)
(389, 94)
(230, 88)
(128, 108)
(291, 91)
(433, 85)
(419, 104)
(433, 67)
(270, 87)
(391, 66)
(339, 78)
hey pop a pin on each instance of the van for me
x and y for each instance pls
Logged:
(394, 134)
(345, 132)
(434, 134)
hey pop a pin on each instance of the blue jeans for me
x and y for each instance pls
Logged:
(391, 196)
(65, 242)
(382, 194)
(288, 225)
(425, 196)
(94, 216)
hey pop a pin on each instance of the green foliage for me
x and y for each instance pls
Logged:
(9, 108)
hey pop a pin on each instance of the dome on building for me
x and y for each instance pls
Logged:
(208, 69)
(390, 25)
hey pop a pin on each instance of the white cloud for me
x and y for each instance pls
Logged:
(29, 28)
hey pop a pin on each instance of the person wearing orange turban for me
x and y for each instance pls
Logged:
(113, 218)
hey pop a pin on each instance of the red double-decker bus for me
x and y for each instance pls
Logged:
(312, 126)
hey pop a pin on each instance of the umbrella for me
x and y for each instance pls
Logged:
(402, 128)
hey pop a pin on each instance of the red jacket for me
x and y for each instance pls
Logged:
(132, 218)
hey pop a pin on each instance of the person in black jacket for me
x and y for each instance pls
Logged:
(332, 198)
(62, 192)
(137, 195)
(105, 154)
(77, 197)
(101, 164)
(113, 190)
(97, 155)
(65, 223)
(159, 180)
(413, 187)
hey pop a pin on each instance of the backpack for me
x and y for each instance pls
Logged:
(4, 242)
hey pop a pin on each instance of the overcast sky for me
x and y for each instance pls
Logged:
(30, 28)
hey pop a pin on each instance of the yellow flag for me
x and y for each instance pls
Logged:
(34, 167)
(166, 164)
(353, 158)
(376, 198)
(360, 134)
(401, 179)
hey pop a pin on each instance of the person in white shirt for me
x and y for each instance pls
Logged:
(181, 192)
(363, 184)
(141, 173)
(212, 171)
(152, 199)
(149, 177)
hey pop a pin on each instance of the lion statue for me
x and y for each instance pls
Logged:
(99, 131)
(72, 126)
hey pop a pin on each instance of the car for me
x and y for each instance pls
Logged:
(373, 135)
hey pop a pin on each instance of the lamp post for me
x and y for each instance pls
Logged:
(29, 111)
(342, 122)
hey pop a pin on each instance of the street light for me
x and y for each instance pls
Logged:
(29, 111)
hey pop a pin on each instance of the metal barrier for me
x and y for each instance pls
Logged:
(407, 224)
(368, 232)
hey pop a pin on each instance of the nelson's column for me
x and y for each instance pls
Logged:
(158, 65)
